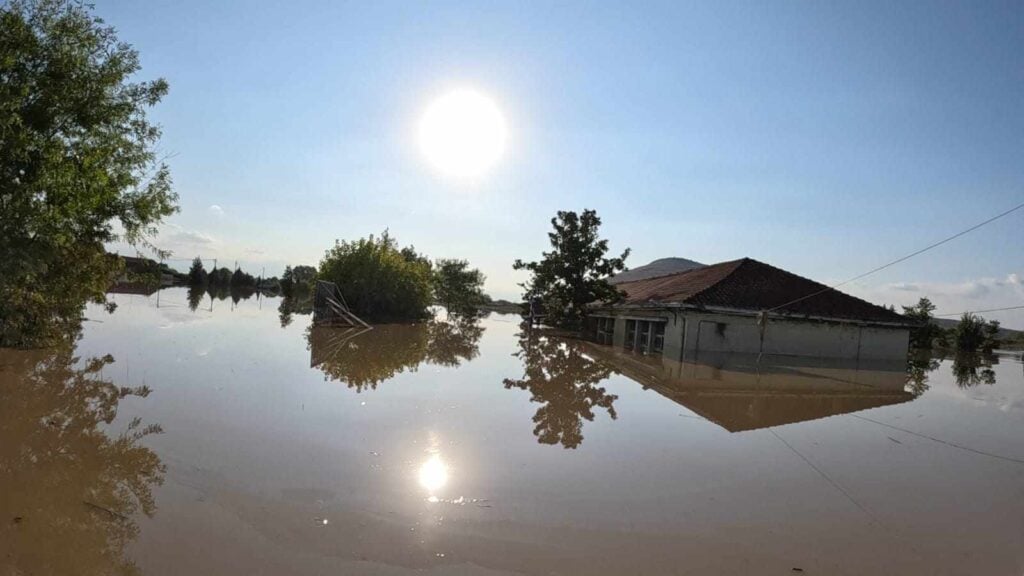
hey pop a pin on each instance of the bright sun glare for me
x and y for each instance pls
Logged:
(433, 474)
(463, 133)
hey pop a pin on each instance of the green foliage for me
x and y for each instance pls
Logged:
(973, 334)
(297, 280)
(219, 277)
(76, 158)
(241, 279)
(927, 334)
(363, 360)
(574, 273)
(564, 380)
(459, 288)
(378, 282)
(197, 275)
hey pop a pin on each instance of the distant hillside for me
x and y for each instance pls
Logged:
(659, 267)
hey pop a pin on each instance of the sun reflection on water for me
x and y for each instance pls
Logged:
(433, 474)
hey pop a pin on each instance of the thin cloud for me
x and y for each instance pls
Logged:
(954, 297)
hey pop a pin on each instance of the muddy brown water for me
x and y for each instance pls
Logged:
(216, 441)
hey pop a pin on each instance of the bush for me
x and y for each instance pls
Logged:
(378, 282)
(973, 333)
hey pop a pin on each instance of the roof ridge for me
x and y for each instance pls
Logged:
(739, 264)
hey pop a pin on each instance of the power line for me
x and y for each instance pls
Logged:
(904, 258)
(981, 311)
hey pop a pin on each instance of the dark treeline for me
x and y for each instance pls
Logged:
(972, 334)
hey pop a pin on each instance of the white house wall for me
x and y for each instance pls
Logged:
(689, 335)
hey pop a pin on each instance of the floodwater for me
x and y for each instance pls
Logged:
(216, 441)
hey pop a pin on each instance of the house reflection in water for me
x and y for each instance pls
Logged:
(744, 392)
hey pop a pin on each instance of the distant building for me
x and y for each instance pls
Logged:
(717, 310)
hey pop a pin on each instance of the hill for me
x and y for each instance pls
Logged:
(659, 267)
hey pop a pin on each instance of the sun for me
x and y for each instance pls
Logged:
(463, 133)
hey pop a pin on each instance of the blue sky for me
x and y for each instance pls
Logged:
(823, 138)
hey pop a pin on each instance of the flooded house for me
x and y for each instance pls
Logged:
(746, 307)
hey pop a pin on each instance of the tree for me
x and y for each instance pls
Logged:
(219, 277)
(574, 274)
(76, 158)
(377, 281)
(241, 279)
(297, 280)
(458, 287)
(973, 333)
(197, 275)
(925, 335)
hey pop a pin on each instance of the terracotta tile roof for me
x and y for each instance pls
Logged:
(747, 284)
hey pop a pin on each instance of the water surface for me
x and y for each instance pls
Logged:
(234, 439)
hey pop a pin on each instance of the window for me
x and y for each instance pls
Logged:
(605, 330)
(658, 341)
(645, 336)
(644, 346)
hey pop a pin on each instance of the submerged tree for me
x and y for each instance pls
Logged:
(66, 478)
(974, 334)
(77, 164)
(297, 280)
(197, 275)
(564, 381)
(927, 333)
(378, 281)
(575, 272)
(459, 288)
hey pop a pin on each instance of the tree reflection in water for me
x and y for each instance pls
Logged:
(919, 364)
(68, 489)
(290, 305)
(973, 368)
(362, 359)
(195, 297)
(564, 381)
